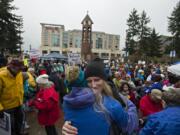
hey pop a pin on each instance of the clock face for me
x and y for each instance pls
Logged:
(84, 23)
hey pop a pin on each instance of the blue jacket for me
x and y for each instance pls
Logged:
(166, 122)
(78, 108)
(155, 85)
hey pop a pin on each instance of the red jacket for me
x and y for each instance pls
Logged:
(147, 106)
(47, 102)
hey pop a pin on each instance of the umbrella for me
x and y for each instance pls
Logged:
(55, 56)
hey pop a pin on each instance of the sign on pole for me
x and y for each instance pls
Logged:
(34, 54)
(5, 125)
(74, 58)
(174, 53)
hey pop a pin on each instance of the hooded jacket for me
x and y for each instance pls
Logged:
(79, 109)
(11, 90)
(47, 102)
(166, 122)
(147, 106)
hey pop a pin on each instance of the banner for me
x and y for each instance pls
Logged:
(74, 58)
(172, 53)
(34, 54)
(5, 125)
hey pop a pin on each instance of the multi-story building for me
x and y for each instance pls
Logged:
(54, 38)
(51, 38)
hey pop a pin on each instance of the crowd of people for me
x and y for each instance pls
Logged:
(96, 98)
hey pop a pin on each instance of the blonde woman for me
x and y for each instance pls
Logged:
(93, 110)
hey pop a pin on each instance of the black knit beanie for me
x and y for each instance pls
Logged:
(95, 69)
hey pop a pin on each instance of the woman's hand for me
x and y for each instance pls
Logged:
(68, 129)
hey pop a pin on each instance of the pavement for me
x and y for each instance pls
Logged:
(35, 128)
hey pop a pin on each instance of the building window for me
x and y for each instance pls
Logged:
(64, 53)
(55, 39)
(96, 54)
(44, 52)
(46, 35)
(54, 52)
(65, 40)
(70, 44)
(65, 45)
(99, 43)
(78, 42)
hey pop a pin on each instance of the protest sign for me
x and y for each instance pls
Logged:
(5, 125)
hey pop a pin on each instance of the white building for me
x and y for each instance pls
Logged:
(54, 38)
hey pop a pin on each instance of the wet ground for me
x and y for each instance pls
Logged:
(35, 128)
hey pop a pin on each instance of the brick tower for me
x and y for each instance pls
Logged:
(86, 46)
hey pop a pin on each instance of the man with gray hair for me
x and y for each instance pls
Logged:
(167, 122)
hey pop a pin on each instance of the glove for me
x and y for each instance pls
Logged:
(1, 114)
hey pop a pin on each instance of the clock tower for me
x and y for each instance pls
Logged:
(86, 45)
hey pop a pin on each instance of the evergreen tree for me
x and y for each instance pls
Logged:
(130, 44)
(154, 45)
(174, 28)
(133, 23)
(144, 32)
(132, 31)
(10, 28)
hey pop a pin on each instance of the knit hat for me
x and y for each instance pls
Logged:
(96, 69)
(42, 79)
(156, 93)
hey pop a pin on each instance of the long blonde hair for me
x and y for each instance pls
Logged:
(107, 89)
(98, 105)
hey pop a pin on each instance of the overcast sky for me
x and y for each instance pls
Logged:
(108, 15)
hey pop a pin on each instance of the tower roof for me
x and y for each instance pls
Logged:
(87, 18)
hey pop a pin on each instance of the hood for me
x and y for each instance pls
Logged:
(79, 82)
(79, 97)
(80, 78)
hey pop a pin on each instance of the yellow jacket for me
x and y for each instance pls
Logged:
(117, 82)
(11, 90)
(31, 80)
(1, 69)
